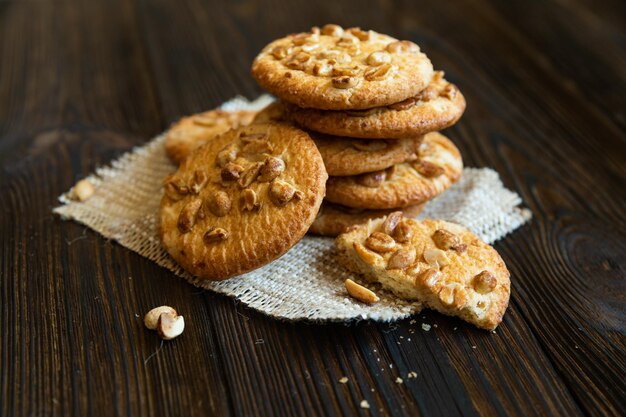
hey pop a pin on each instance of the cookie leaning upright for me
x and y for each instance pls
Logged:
(337, 69)
(242, 200)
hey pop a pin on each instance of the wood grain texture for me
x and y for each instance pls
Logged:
(83, 82)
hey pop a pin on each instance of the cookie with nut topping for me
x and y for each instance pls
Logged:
(334, 219)
(273, 112)
(436, 107)
(440, 264)
(345, 156)
(437, 167)
(242, 200)
(192, 131)
(333, 68)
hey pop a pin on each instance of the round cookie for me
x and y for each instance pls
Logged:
(440, 264)
(436, 107)
(273, 112)
(343, 156)
(438, 166)
(334, 219)
(192, 131)
(337, 69)
(242, 200)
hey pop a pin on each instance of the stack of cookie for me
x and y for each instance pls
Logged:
(369, 108)
(374, 106)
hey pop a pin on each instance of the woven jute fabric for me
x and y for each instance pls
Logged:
(304, 284)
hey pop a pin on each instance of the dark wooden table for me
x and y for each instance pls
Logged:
(83, 82)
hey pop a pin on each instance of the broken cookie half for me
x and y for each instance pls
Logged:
(441, 264)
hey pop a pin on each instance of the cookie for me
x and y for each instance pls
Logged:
(436, 107)
(242, 200)
(440, 264)
(192, 131)
(438, 166)
(343, 156)
(273, 112)
(334, 219)
(337, 69)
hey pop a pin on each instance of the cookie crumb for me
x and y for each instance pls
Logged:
(365, 404)
(412, 374)
(413, 322)
(399, 380)
(343, 380)
(425, 327)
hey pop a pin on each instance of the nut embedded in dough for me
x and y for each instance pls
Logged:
(436, 258)
(272, 168)
(403, 232)
(188, 215)
(199, 180)
(215, 234)
(402, 258)
(428, 169)
(485, 282)
(444, 239)
(380, 242)
(219, 203)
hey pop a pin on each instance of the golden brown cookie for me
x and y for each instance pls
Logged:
(242, 200)
(334, 219)
(440, 264)
(436, 107)
(344, 156)
(273, 112)
(192, 131)
(438, 166)
(337, 69)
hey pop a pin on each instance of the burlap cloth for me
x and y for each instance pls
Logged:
(306, 282)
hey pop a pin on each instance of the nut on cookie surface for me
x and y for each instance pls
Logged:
(242, 200)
